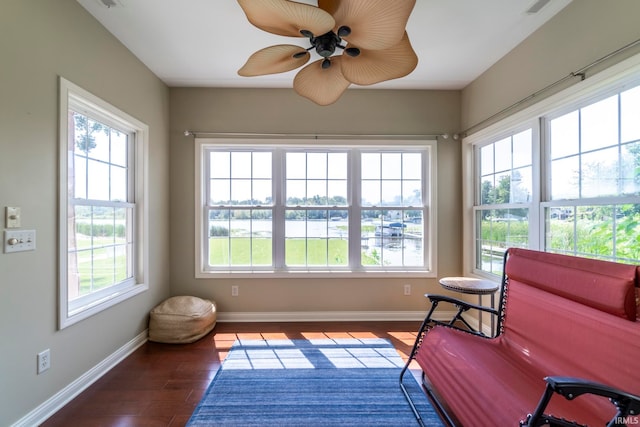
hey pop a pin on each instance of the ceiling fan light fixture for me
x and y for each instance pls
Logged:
(344, 31)
(352, 51)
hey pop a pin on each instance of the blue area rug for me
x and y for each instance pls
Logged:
(324, 382)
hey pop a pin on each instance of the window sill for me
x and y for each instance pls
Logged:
(333, 274)
(96, 307)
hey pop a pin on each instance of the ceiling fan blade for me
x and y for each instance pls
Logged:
(287, 18)
(320, 85)
(273, 60)
(374, 24)
(375, 66)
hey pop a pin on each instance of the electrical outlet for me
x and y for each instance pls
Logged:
(44, 361)
(235, 290)
(407, 289)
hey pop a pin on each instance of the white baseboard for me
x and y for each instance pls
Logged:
(325, 316)
(64, 396)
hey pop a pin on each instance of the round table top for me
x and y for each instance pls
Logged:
(469, 285)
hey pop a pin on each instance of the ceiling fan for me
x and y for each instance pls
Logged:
(370, 34)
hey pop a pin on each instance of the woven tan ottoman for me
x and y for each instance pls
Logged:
(181, 319)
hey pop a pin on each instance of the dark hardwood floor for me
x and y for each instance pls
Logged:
(161, 384)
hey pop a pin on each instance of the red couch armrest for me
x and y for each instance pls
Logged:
(627, 405)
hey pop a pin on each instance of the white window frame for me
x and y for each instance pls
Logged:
(625, 74)
(73, 96)
(429, 197)
(531, 206)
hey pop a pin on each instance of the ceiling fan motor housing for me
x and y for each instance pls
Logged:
(326, 44)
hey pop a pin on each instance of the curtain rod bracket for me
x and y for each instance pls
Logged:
(582, 75)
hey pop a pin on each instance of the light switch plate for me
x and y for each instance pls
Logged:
(12, 217)
(19, 240)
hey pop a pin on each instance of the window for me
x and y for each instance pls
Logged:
(504, 196)
(102, 205)
(391, 186)
(593, 208)
(586, 164)
(291, 209)
(241, 214)
(316, 230)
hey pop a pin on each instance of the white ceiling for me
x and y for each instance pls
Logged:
(202, 43)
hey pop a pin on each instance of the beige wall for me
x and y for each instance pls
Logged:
(359, 111)
(39, 40)
(583, 32)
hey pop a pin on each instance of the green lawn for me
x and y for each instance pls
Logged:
(316, 252)
(241, 251)
(257, 252)
(99, 269)
(106, 271)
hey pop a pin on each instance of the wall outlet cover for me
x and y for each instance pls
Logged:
(44, 361)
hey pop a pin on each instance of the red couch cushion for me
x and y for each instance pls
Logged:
(565, 338)
(478, 381)
(483, 385)
(604, 285)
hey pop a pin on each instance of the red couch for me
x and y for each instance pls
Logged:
(568, 333)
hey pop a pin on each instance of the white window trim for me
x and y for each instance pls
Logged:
(429, 192)
(623, 73)
(533, 237)
(71, 93)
